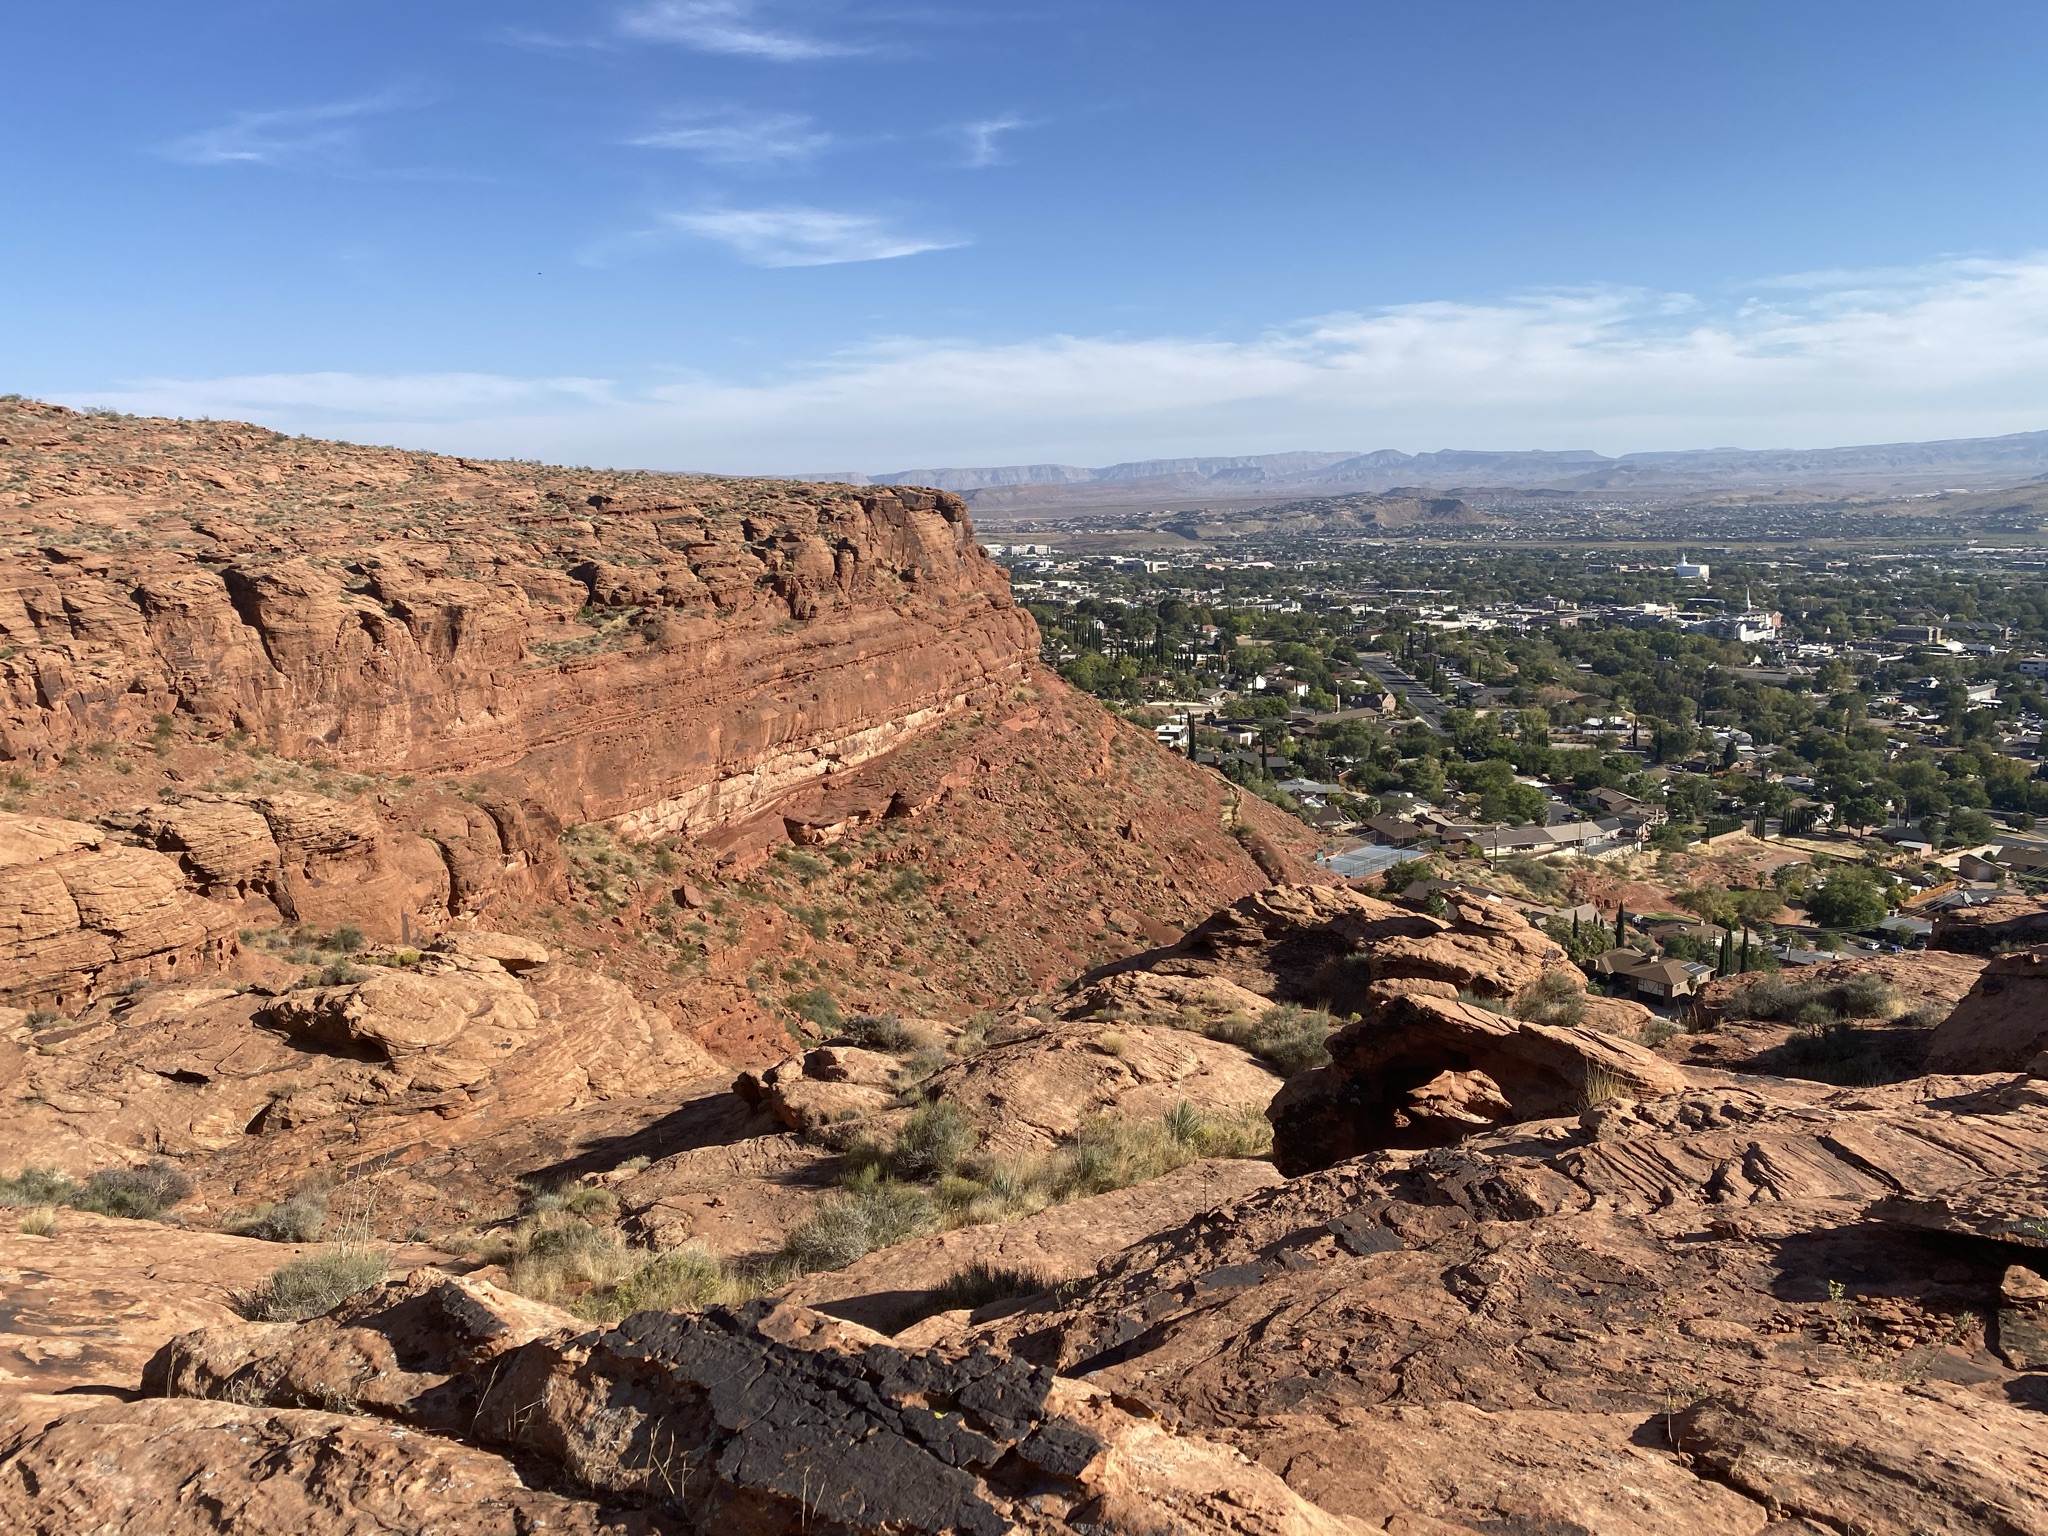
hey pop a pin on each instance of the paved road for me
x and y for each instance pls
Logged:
(1394, 679)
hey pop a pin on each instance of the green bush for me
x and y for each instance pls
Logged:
(142, 1194)
(931, 1143)
(878, 1032)
(1556, 997)
(681, 1280)
(818, 1006)
(1287, 1038)
(36, 1186)
(873, 1214)
(317, 1284)
(298, 1218)
(1812, 1003)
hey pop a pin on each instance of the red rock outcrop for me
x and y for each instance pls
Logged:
(784, 1421)
(1697, 1314)
(2001, 1025)
(1324, 945)
(1422, 1069)
(2002, 923)
(671, 650)
(80, 912)
(397, 1066)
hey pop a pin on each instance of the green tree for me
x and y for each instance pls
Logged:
(1849, 899)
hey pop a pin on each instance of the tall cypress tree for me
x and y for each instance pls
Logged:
(1620, 926)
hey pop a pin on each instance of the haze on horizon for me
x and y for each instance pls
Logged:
(791, 235)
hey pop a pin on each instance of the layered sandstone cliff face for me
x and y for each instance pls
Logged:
(675, 651)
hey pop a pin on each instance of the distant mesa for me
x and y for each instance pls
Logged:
(1974, 463)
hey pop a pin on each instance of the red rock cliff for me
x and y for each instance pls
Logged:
(672, 650)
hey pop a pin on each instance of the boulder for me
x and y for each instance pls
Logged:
(775, 1419)
(1423, 1068)
(392, 1013)
(185, 1468)
(80, 913)
(2023, 1319)
(2001, 1025)
(1035, 1084)
(419, 1348)
(808, 1104)
(1882, 1457)
(1322, 945)
(482, 949)
(1999, 924)
(1145, 997)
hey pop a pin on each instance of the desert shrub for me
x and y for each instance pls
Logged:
(818, 1007)
(878, 1032)
(317, 1283)
(981, 1283)
(36, 1186)
(298, 1218)
(1555, 997)
(1544, 880)
(1865, 997)
(142, 1194)
(557, 1255)
(681, 1280)
(1287, 1038)
(39, 1221)
(843, 1227)
(931, 1143)
(1112, 1043)
(1602, 1087)
(1813, 1004)
(1656, 1032)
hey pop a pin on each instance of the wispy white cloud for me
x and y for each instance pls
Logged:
(1951, 350)
(728, 27)
(804, 237)
(323, 134)
(981, 139)
(760, 140)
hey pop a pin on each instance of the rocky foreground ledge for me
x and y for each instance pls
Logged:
(1755, 1306)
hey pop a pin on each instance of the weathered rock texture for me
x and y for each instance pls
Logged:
(207, 1468)
(1702, 1313)
(1999, 924)
(754, 1420)
(1422, 1069)
(677, 651)
(80, 912)
(395, 1069)
(1324, 945)
(2002, 1024)
(1037, 1083)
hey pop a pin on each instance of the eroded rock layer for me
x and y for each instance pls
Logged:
(675, 650)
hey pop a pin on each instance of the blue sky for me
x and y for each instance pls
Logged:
(791, 235)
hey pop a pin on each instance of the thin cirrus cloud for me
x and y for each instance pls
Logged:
(1955, 349)
(318, 135)
(983, 140)
(803, 237)
(744, 140)
(729, 27)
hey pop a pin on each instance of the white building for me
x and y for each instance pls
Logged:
(1686, 570)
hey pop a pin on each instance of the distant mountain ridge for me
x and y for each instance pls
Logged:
(1957, 462)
